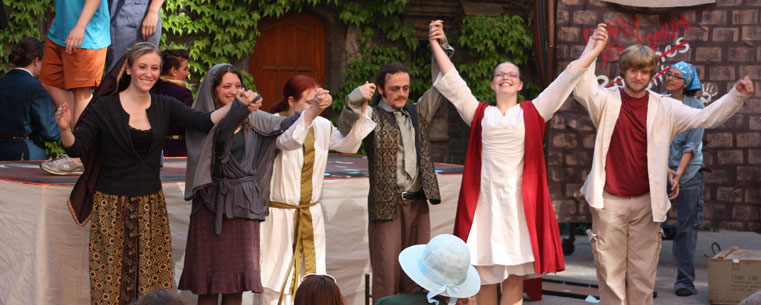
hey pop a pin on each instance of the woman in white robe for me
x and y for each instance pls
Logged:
(296, 189)
(499, 238)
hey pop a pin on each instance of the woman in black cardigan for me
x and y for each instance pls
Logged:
(130, 243)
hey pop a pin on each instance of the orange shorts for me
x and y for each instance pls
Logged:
(81, 69)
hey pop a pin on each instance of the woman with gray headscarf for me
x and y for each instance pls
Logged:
(228, 178)
(686, 177)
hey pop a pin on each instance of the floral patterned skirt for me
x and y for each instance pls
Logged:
(130, 247)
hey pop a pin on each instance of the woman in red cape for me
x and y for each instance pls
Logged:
(504, 212)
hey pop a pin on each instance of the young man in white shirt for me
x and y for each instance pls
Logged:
(626, 186)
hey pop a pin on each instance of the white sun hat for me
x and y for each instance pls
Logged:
(442, 267)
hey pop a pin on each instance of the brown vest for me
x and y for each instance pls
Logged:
(382, 146)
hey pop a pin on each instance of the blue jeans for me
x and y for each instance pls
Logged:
(689, 208)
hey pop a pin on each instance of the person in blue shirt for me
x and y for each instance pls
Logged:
(26, 109)
(686, 179)
(75, 54)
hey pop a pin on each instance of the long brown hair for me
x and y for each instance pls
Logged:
(318, 290)
(228, 68)
(295, 88)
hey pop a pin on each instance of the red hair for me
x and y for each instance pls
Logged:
(295, 88)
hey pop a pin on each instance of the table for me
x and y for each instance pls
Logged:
(45, 260)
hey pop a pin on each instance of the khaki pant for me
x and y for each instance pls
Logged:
(626, 243)
(411, 226)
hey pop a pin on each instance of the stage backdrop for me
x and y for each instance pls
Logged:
(44, 258)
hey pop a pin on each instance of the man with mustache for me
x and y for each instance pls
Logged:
(626, 186)
(402, 176)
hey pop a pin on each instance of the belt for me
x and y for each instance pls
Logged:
(412, 195)
(175, 137)
(2, 136)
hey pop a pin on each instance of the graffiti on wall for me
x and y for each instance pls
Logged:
(666, 40)
(625, 28)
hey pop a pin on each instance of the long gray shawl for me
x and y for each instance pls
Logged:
(260, 150)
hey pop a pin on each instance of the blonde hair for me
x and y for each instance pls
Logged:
(139, 49)
(638, 57)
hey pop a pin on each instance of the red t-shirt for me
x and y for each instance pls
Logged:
(626, 162)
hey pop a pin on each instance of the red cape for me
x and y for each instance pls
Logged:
(540, 215)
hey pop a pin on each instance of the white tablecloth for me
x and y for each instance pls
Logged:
(44, 258)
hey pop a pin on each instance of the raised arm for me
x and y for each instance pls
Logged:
(77, 142)
(685, 117)
(429, 103)
(356, 106)
(449, 83)
(553, 97)
(294, 136)
(588, 91)
(350, 143)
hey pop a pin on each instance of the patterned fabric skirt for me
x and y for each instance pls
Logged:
(130, 247)
(221, 264)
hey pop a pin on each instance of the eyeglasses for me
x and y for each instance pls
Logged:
(674, 75)
(506, 75)
(319, 275)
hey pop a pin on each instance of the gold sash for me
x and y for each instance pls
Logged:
(303, 242)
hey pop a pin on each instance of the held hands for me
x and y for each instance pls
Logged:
(251, 99)
(745, 87)
(321, 100)
(367, 90)
(599, 38)
(63, 117)
(436, 32)
(150, 22)
(74, 40)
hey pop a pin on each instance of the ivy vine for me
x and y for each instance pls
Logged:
(226, 31)
(491, 41)
(24, 19)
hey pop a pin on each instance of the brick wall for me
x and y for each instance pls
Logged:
(723, 41)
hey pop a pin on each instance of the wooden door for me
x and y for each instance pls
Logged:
(287, 46)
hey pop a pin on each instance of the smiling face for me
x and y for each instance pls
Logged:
(144, 71)
(396, 90)
(506, 79)
(675, 80)
(228, 88)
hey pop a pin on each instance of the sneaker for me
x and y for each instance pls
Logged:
(63, 165)
(683, 292)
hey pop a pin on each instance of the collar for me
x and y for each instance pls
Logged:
(27, 71)
(386, 107)
(173, 80)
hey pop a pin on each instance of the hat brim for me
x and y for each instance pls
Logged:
(409, 260)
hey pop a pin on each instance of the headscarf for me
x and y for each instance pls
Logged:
(200, 147)
(690, 75)
(81, 198)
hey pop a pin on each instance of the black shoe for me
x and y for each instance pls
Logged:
(683, 292)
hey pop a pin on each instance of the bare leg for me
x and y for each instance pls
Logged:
(208, 299)
(487, 295)
(232, 299)
(60, 96)
(82, 97)
(512, 290)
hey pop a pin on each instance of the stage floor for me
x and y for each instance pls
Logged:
(339, 166)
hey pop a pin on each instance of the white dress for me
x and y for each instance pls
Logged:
(277, 231)
(499, 240)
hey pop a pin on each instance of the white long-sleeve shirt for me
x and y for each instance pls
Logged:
(666, 117)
